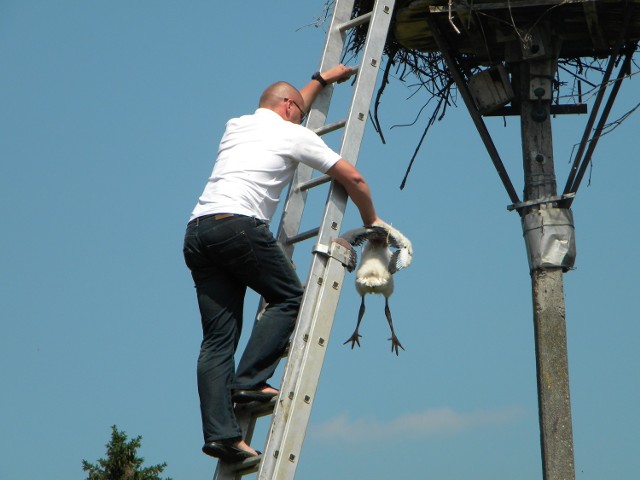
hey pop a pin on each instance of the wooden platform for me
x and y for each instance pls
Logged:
(587, 28)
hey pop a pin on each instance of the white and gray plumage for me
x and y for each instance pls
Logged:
(376, 269)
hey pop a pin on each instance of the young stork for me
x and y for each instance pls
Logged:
(375, 273)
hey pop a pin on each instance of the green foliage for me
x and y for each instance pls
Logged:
(122, 462)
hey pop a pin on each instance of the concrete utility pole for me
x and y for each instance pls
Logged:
(536, 72)
(548, 229)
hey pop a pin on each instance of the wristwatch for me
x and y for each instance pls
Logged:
(318, 77)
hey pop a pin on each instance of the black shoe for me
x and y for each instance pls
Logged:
(246, 396)
(226, 452)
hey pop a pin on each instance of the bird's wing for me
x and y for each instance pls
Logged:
(353, 260)
(400, 259)
(358, 236)
(403, 255)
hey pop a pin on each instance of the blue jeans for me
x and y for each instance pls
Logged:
(225, 257)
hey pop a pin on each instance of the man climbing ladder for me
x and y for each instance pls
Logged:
(228, 247)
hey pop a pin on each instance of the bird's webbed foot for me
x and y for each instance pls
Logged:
(355, 338)
(395, 343)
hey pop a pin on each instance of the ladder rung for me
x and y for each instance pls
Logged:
(314, 182)
(256, 409)
(354, 70)
(301, 237)
(250, 465)
(330, 127)
(354, 22)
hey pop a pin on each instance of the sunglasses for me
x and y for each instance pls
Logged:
(303, 115)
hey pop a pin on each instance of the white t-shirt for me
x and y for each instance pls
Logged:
(257, 157)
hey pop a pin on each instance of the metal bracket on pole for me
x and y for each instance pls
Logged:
(540, 201)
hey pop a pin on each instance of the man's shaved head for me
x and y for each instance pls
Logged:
(277, 92)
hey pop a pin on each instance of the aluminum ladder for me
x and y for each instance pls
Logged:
(292, 409)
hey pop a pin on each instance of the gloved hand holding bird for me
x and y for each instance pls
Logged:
(377, 266)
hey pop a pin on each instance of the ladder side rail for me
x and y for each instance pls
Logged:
(331, 55)
(332, 218)
(364, 87)
(289, 227)
(366, 81)
(294, 206)
(296, 199)
(352, 138)
(283, 466)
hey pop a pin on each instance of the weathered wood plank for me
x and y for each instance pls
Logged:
(593, 25)
(587, 28)
(479, 5)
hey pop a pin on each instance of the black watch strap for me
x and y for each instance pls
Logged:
(318, 77)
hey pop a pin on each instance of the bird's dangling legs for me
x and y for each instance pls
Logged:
(355, 338)
(395, 343)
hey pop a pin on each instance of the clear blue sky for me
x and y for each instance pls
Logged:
(110, 115)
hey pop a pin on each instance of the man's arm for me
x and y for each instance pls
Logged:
(358, 190)
(310, 91)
